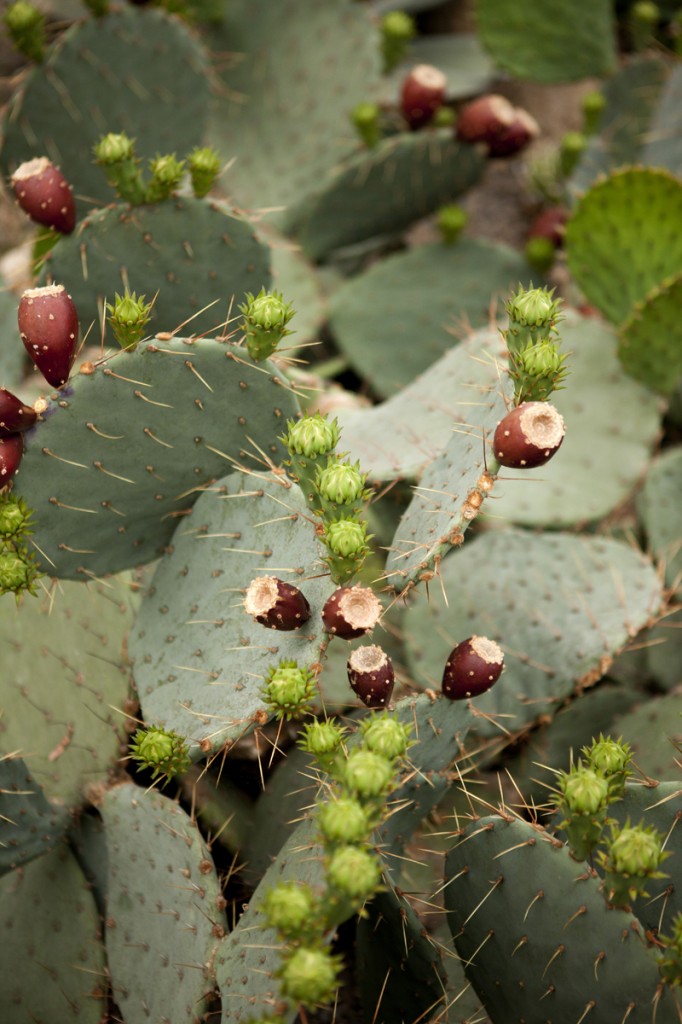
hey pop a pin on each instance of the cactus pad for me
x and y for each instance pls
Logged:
(664, 143)
(163, 900)
(124, 449)
(654, 731)
(650, 346)
(658, 507)
(29, 826)
(200, 660)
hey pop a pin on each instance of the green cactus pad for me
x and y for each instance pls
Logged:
(559, 616)
(65, 683)
(123, 451)
(604, 454)
(527, 920)
(133, 71)
(163, 900)
(29, 825)
(403, 435)
(650, 346)
(621, 241)
(459, 56)
(406, 311)
(190, 253)
(550, 42)
(12, 352)
(654, 731)
(384, 189)
(658, 507)
(664, 142)
(200, 660)
(53, 966)
(295, 72)
(300, 284)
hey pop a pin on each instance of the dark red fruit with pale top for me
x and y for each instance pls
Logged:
(422, 94)
(48, 324)
(276, 604)
(351, 612)
(14, 415)
(371, 675)
(11, 450)
(44, 194)
(515, 136)
(472, 668)
(528, 436)
(484, 119)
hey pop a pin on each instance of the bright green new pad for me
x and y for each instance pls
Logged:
(650, 345)
(53, 969)
(384, 189)
(604, 454)
(190, 253)
(560, 606)
(122, 452)
(623, 238)
(397, 318)
(65, 682)
(163, 901)
(548, 42)
(200, 660)
(133, 71)
(29, 825)
(536, 936)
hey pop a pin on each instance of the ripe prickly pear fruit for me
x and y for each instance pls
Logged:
(11, 450)
(485, 119)
(371, 675)
(276, 604)
(422, 93)
(472, 668)
(48, 324)
(351, 612)
(528, 436)
(14, 415)
(44, 194)
(515, 136)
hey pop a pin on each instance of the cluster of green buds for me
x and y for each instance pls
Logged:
(161, 751)
(631, 858)
(128, 316)
(536, 366)
(115, 153)
(25, 26)
(398, 29)
(266, 316)
(18, 568)
(610, 758)
(289, 690)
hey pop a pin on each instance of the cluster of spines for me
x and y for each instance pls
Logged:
(115, 153)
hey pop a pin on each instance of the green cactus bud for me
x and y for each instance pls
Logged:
(670, 957)
(321, 739)
(310, 976)
(347, 542)
(451, 220)
(340, 483)
(611, 759)
(162, 751)
(367, 120)
(533, 315)
(583, 800)
(537, 371)
(643, 19)
(289, 690)
(397, 31)
(116, 155)
(354, 872)
(385, 735)
(166, 174)
(129, 317)
(312, 436)
(571, 149)
(26, 28)
(444, 117)
(15, 517)
(204, 167)
(344, 820)
(18, 570)
(632, 857)
(540, 253)
(367, 774)
(114, 149)
(593, 107)
(266, 316)
(291, 908)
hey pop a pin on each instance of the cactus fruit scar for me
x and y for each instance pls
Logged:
(44, 194)
(371, 676)
(473, 667)
(48, 324)
(519, 134)
(276, 604)
(422, 93)
(528, 436)
(351, 612)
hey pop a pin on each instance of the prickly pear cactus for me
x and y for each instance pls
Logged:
(29, 826)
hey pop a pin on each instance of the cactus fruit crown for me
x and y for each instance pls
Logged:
(321, 738)
(163, 751)
(311, 436)
(340, 482)
(385, 735)
(288, 690)
(128, 316)
(583, 791)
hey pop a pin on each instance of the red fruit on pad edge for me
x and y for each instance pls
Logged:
(371, 676)
(44, 194)
(48, 324)
(11, 450)
(472, 668)
(276, 604)
(14, 415)
(422, 94)
(528, 436)
(351, 612)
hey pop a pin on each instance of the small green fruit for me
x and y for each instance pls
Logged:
(204, 167)
(354, 872)
(26, 28)
(162, 751)
(129, 316)
(534, 307)
(312, 436)
(266, 316)
(367, 774)
(611, 759)
(290, 908)
(397, 30)
(385, 735)
(310, 976)
(343, 820)
(584, 792)
(321, 738)
(632, 857)
(366, 118)
(341, 483)
(289, 690)
(18, 570)
(451, 220)
(114, 149)
(347, 538)
(15, 517)
(166, 172)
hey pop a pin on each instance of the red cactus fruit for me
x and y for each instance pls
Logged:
(484, 119)
(48, 323)
(276, 604)
(516, 136)
(550, 224)
(11, 450)
(351, 612)
(528, 436)
(422, 94)
(472, 668)
(44, 194)
(14, 415)
(371, 675)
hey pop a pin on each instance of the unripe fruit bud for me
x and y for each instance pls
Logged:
(48, 324)
(26, 28)
(636, 851)
(161, 750)
(266, 316)
(166, 172)
(129, 317)
(44, 194)
(397, 29)
(367, 774)
(534, 307)
(346, 537)
(593, 106)
(11, 450)
(516, 136)
(607, 756)
(354, 872)
(18, 570)
(351, 612)
(485, 119)
(310, 976)
(321, 738)
(452, 220)
(537, 371)
(422, 94)
(15, 516)
(343, 821)
(572, 148)
(15, 417)
(204, 167)
(472, 668)
(584, 792)
(312, 436)
(289, 690)
(528, 436)
(367, 120)
(371, 675)
(540, 254)
(276, 604)
(114, 149)
(340, 483)
(290, 908)
(385, 735)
